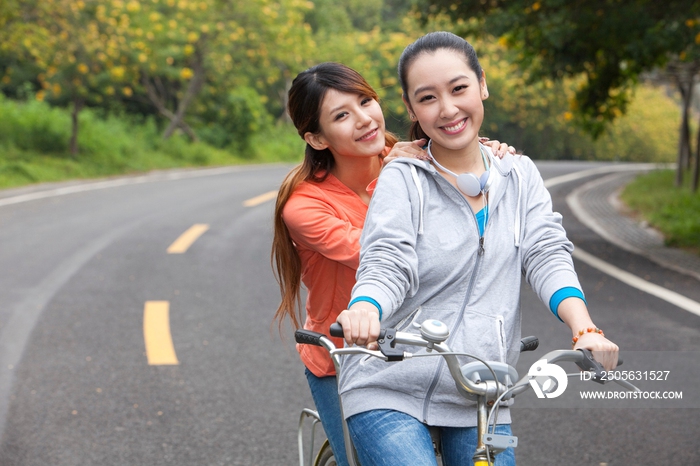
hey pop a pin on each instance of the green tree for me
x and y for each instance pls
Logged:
(184, 48)
(58, 45)
(169, 55)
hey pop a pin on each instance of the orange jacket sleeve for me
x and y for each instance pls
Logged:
(317, 222)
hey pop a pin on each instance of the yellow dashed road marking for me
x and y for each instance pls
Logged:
(156, 333)
(186, 239)
(260, 199)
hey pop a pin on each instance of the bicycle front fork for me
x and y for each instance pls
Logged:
(482, 457)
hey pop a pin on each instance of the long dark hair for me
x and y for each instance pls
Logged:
(429, 43)
(304, 105)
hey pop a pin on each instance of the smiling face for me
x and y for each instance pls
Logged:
(446, 96)
(351, 125)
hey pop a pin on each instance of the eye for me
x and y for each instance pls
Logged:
(366, 100)
(461, 87)
(426, 98)
(339, 116)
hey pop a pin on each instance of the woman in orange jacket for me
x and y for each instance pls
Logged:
(320, 212)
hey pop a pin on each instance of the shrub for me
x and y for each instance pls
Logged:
(34, 125)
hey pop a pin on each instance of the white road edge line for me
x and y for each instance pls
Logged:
(609, 269)
(636, 282)
(92, 186)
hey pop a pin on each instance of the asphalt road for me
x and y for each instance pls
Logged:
(76, 387)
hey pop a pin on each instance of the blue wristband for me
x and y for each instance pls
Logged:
(561, 295)
(369, 300)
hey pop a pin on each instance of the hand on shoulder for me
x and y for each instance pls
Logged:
(412, 149)
(499, 149)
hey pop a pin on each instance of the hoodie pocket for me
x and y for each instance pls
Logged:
(408, 321)
(482, 335)
(501, 337)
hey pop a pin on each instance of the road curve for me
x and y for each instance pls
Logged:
(76, 386)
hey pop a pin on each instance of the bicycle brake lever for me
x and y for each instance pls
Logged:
(591, 365)
(387, 345)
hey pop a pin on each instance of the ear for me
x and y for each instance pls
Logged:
(484, 87)
(315, 140)
(408, 106)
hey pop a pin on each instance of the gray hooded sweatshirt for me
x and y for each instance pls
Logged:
(422, 257)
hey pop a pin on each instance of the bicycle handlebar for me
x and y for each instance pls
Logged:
(432, 337)
(529, 343)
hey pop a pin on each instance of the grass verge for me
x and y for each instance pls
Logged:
(34, 146)
(675, 212)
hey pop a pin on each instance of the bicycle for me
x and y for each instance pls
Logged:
(488, 383)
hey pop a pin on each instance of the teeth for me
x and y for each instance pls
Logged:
(368, 135)
(455, 127)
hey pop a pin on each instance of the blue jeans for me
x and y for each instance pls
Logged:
(324, 391)
(387, 437)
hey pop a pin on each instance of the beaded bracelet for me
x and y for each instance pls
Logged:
(583, 332)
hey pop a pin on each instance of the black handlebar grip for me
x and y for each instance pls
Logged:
(529, 343)
(308, 337)
(337, 330)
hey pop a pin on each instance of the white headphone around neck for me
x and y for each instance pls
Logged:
(469, 183)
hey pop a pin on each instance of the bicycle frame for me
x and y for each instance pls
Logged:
(487, 383)
(307, 413)
(482, 392)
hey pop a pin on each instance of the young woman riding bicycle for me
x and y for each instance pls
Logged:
(449, 239)
(321, 209)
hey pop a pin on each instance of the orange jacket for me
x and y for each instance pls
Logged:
(325, 221)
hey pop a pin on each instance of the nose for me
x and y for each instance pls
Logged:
(448, 109)
(363, 118)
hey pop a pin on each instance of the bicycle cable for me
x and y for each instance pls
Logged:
(496, 403)
(452, 353)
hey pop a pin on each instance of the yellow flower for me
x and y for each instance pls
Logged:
(40, 96)
(186, 73)
(127, 91)
(117, 72)
(536, 6)
(83, 69)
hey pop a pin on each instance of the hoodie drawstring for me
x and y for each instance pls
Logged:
(517, 209)
(416, 180)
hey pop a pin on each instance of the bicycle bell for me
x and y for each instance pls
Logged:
(434, 331)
